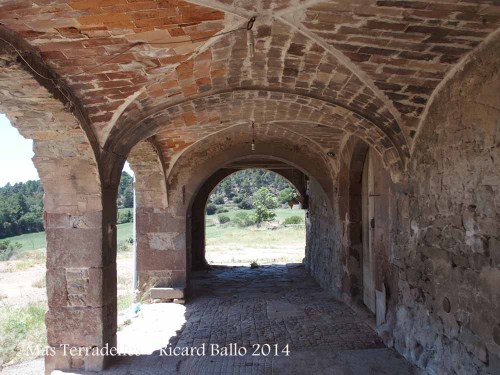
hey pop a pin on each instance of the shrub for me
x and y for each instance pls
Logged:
(221, 210)
(293, 220)
(125, 216)
(219, 200)
(244, 219)
(7, 249)
(262, 213)
(211, 209)
(124, 246)
(238, 198)
(245, 204)
(40, 283)
(224, 218)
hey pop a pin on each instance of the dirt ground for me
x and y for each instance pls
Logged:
(19, 287)
(22, 282)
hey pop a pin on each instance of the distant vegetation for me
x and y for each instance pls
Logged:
(126, 191)
(251, 189)
(21, 206)
(21, 209)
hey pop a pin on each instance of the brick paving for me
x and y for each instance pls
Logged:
(268, 305)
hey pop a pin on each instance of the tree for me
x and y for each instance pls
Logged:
(126, 191)
(287, 195)
(266, 198)
(21, 205)
(128, 198)
(21, 208)
(264, 203)
(226, 187)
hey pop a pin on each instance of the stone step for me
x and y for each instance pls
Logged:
(167, 293)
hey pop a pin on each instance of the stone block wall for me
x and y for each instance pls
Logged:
(160, 259)
(442, 260)
(323, 249)
(448, 317)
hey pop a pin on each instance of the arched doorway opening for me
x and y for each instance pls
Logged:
(255, 217)
(223, 210)
(24, 248)
(369, 194)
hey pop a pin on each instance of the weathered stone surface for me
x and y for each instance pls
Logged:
(74, 247)
(455, 210)
(80, 326)
(167, 293)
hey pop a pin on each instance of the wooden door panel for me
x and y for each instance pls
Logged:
(368, 233)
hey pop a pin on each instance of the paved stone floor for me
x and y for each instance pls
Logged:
(274, 305)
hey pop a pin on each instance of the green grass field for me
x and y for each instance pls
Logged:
(223, 235)
(21, 328)
(34, 241)
(228, 243)
(281, 214)
(236, 238)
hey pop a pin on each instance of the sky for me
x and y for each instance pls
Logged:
(15, 155)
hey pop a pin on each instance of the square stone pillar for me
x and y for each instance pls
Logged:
(160, 224)
(161, 249)
(81, 276)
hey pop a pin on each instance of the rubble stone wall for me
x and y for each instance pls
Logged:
(447, 319)
(323, 258)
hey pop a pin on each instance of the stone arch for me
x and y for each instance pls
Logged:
(263, 106)
(78, 213)
(17, 52)
(196, 227)
(466, 72)
(225, 67)
(194, 166)
(307, 165)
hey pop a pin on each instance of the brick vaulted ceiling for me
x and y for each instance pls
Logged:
(321, 69)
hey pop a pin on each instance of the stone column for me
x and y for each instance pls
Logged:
(160, 232)
(81, 274)
(81, 270)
